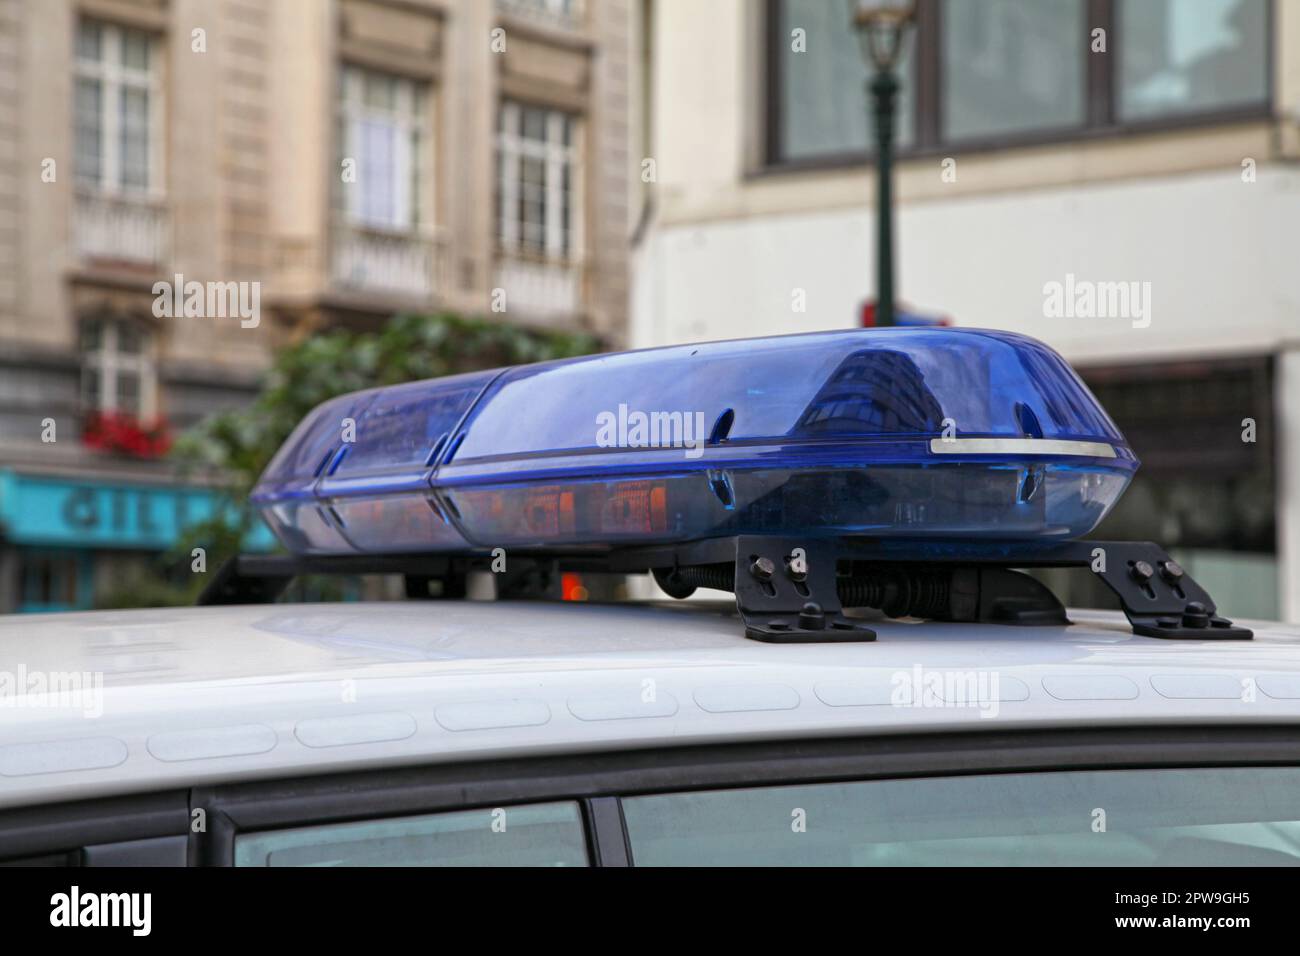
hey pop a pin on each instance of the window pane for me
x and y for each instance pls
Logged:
(92, 334)
(134, 156)
(90, 40)
(532, 203)
(1202, 817)
(824, 108)
(128, 393)
(565, 223)
(129, 339)
(534, 123)
(92, 389)
(380, 91)
(545, 834)
(1012, 67)
(498, 194)
(135, 50)
(89, 131)
(376, 171)
(413, 182)
(49, 580)
(1185, 56)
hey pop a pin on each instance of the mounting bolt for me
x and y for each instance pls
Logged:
(1172, 571)
(763, 569)
(812, 617)
(794, 574)
(1195, 615)
(1142, 572)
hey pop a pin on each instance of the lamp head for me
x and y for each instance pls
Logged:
(881, 25)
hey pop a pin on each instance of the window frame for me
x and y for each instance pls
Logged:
(1099, 86)
(598, 782)
(113, 77)
(77, 571)
(510, 146)
(109, 361)
(410, 116)
(487, 811)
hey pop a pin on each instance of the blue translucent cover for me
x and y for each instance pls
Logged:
(888, 432)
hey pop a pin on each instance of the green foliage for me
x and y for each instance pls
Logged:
(408, 348)
(239, 443)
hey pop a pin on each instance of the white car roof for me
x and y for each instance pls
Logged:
(223, 694)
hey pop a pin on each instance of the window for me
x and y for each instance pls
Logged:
(995, 72)
(1177, 57)
(535, 181)
(54, 580)
(1199, 817)
(1210, 502)
(543, 834)
(384, 129)
(117, 373)
(116, 108)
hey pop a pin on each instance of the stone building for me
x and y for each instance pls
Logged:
(306, 163)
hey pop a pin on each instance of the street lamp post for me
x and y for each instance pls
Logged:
(881, 25)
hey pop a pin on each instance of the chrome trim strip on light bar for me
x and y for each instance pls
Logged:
(1020, 446)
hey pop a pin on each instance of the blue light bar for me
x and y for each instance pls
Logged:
(898, 432)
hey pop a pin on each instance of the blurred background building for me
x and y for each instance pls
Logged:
(355, 158)
(1170, 155)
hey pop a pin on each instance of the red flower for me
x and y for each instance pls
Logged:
(124, 434)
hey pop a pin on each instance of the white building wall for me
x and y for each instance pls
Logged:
(1222, 258)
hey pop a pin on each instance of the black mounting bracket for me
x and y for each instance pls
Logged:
(936, 579)
(261, 578)
(784, 597)
(1157, 596)
(794, 590)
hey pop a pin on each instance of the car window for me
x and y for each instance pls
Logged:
(543, 834)
(1194, 817)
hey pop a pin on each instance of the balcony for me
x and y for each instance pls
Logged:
(120, 229)
(380, 261)
(565, 14)
(541, 289)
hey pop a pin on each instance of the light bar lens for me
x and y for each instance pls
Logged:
(886, 432)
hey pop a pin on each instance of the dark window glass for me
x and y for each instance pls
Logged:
(1012, 67)
(544, 834)
(1201, 817)
(1001, 69)
(89, 130)
(824, 107)
(1188, 56)
(49, 580)
(1202, 491)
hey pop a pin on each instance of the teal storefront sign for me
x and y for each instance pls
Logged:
(47, 511)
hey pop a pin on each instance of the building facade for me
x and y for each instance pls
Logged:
(186, 185)
(1119, 178)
